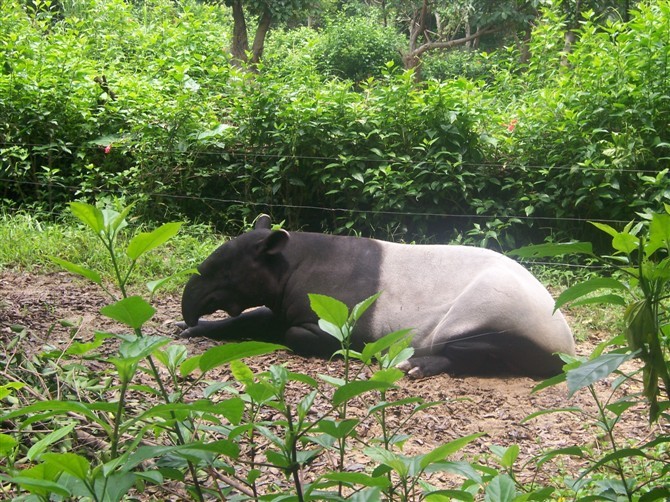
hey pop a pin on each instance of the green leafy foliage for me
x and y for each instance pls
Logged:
(357, 48)
(641, 266)
(578, 135)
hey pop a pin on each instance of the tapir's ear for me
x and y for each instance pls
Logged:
(275, 242)
(263, 222)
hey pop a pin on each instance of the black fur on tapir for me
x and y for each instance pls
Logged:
(471, 310)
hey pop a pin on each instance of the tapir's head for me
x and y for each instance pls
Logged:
(240, 274)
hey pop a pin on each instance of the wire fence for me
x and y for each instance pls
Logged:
(343, 210)
(264, 205)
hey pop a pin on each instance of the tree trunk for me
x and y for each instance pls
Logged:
(240, 44)
(259, 40)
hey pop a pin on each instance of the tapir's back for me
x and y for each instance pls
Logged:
(460, 292)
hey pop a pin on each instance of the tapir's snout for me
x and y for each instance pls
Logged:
(191, 301)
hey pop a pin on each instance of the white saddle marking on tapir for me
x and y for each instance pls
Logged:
(456, 292)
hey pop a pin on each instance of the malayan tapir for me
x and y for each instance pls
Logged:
(471, 310)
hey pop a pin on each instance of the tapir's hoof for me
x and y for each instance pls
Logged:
(183, 330)
(411, 370)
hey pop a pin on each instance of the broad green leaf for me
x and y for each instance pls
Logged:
(241, 372)
(190, 365)
(220, 447)
(626, 243)
(172, 356)
(63, 407)
(329, 309)
(125, 368)
(549, 250)
(378, 346)
(7, 389)
(89, 215)
(143, 453)
(357, 478)
(114, 221)
(73, 464)
(639, 324)
(441, 452)
(448, 495)
(609, 299)
(91, 275)
(305, 405)
(331, 380)
(277, 459)
(133, 311)
(356, 388)
(594, 370)
(361, 307)
(337, 332)
(260, 392)
(306, 379)
(612, 232)
(223, 354)
(387, 375)
(142, 346)
(659, 233)
(146, 241)
(7, 443)
(459, 467)
(500, 489)
(338, 430)
(586, 287)
(40, 446)
(115, 487)
(40, 486)
(81, 348)
(397, 462)
(509, 457)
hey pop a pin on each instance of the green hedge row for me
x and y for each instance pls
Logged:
(527, 153)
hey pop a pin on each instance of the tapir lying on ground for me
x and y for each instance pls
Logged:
(471, 310)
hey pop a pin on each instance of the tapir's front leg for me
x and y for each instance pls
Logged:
(258, 324)
(309, 340)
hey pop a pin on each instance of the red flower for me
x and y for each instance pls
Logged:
(108, 149)
(512, 125)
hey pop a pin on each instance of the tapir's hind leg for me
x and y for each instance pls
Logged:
(492, 354)
(500, 323)
(421, 367)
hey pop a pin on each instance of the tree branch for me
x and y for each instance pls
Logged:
(447, 44)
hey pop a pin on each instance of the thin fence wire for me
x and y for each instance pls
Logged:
(250, 154)
(335, 209)
(565, 265)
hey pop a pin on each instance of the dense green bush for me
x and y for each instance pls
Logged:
(591, 127)
(96, 100)
(457, 63)
(577, 136)
(357, 48)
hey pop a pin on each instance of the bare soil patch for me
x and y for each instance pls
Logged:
(496, 406)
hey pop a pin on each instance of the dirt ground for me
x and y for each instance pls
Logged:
(496, 406)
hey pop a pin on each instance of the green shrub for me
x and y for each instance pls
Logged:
(590, 128)
(357, 49)
(457, 63)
